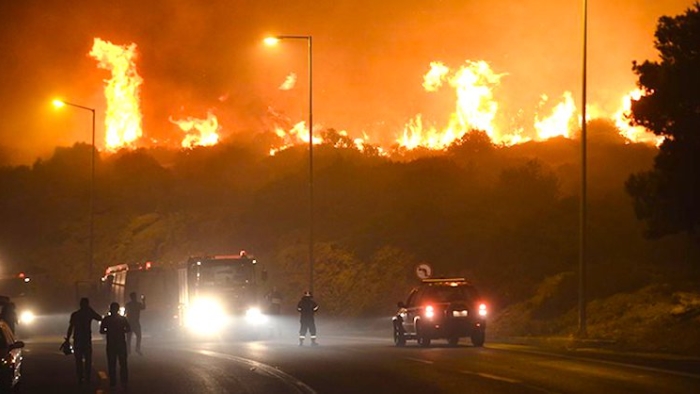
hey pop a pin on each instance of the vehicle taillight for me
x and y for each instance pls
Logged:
(429, 311)
(482, 310)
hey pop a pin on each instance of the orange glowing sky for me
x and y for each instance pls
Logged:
(370, 59)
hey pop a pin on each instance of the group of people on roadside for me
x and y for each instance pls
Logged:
(118, 331)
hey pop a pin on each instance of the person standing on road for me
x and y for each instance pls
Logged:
(274, 301)
(80, 327)
(115, 327)
(307, 308)
(133, 310)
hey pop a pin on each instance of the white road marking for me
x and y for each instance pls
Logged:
(507, 380)
(419, 360)
(493, 377)
(300, 386)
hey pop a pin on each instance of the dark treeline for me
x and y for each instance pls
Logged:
(505, 217)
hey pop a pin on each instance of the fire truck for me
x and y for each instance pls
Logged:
(207, 295)
(19, 289)
(157, 283)
(221, 294)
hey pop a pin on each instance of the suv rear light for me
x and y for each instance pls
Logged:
(429, 311)
(482, 310)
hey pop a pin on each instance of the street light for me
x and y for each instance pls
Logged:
(583, 215)
(59, 104)
(273, 41)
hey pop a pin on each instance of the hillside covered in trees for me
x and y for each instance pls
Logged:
(507, 218)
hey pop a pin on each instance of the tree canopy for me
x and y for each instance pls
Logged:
(667, 197)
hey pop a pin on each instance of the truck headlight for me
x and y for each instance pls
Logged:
(27, 317)
(205, 316)
(255, 316)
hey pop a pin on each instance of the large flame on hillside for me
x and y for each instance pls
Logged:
(559, 123)
(200, 132)
(476, 107)
(622, 121)
(298, 134)
(122, 91)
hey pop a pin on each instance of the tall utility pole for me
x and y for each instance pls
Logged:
(308, 38)
(583, 215)
(91, 241)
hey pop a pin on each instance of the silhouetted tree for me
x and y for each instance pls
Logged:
(668, 196)
(472, 143)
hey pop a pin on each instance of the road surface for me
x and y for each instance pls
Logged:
(353, 363)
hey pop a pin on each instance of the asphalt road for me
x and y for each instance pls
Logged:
(353, 363)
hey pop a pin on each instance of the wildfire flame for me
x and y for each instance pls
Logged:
(289, 82)
(122, 91)
(633, 133)
(298, 134)
(559, 123)
(200, 132)
(475, 109)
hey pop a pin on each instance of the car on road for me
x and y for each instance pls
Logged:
(448, 309)
(10, 359)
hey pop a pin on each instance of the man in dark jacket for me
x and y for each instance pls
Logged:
(116, 327)
(133, 310)
(307, 307)
(80, 328)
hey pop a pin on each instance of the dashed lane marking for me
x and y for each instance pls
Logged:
(493, 377)
(103, 376)
(291, 381)
(419, 360)
(507, 380)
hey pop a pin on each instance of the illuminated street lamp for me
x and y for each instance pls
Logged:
(273, 41)
(58, 104)
(583, 215)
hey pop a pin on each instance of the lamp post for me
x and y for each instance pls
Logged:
(59, 104)
(273, 41)
(583, 214)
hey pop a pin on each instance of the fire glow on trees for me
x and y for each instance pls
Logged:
(476, 108)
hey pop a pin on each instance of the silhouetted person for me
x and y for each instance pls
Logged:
(133, 310)
(80, 327)
(307, 307)
(9, 315)
(116, 327)
(274, 301)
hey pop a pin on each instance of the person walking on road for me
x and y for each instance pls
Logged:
(307, 308)
(115, 327)
(80, 327)
(133, 310)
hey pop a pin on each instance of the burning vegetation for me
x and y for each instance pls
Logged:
(476, 107)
